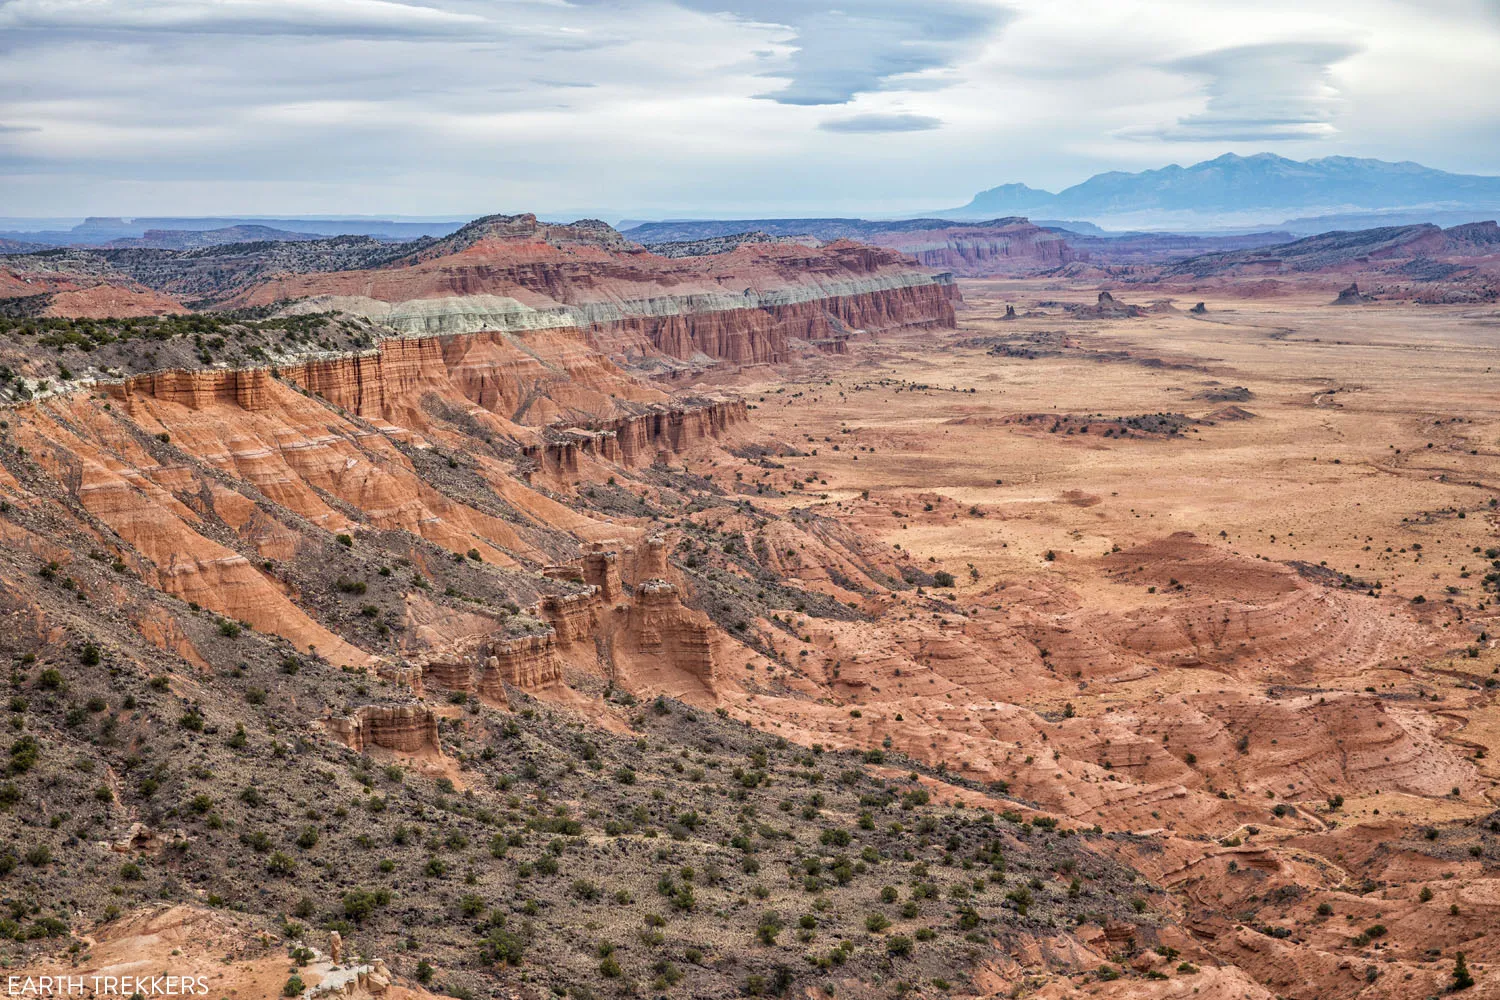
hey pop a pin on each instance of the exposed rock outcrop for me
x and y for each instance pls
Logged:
(528, 662)
(1005, 246)
(1352, 296)
(529, 377)
(410, 729)
(651, 559)
(661, 626)
(487, 666)
(640, 438)
(1108, 307)
(353, 982)
(574, 617)
(448, 672)
(247, 388)
(602, 570)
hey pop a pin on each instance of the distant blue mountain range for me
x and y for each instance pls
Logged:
(1245, 190)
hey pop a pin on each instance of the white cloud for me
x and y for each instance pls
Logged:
(1268, 92)
(840, 49)
(875, 123)
(671, 107)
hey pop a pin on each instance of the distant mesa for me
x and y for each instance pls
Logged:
(1340, 249)
(1199, 309)
(187, 239)
(1004, 246)
(1001, 246)
(725, 244)
(98, 231)
(1422, 263)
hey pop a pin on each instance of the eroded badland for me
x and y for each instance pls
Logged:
(838, 634)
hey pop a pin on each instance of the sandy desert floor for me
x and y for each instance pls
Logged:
(1366, 432)
(1265, 526)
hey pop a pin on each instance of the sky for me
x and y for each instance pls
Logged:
(672, 108)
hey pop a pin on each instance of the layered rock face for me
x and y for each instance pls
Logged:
(601, 569)
(447, 673)
(573, 617)
(248, 389)
(409, 729)
(660, 626)
(639, 438)
(651, 559)
(542, 379)
(486, 668)
(1006, 247)
(524, 377)
(646, 635)
(528, 662)
(515, 275)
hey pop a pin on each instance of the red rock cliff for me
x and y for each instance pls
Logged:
(662, 628)
(403, 728)
(744, 306)
(1008, 247)
(639, 439)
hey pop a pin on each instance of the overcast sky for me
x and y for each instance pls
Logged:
(651, 108)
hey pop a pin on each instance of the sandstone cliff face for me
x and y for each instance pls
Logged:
(527, 378)
(142, 494)
(292, 448)
(488, 666)
(640, 438)
(447, 672)
(573, 617)
(651, 560)
(248, 389)
(602, 570)
(661, 628)
(647, 637)
(410, 729)
(1008, 247)
(528, 662)
(762, 334)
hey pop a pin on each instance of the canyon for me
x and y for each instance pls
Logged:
(1137, 651)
